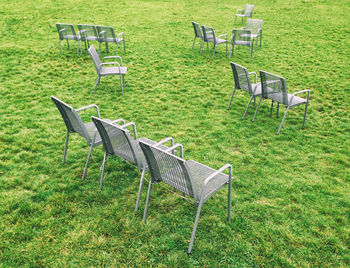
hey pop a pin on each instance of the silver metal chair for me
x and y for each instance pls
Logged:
(243, 82)
(209, 36)
(107, 35)
(118, 141)
(241, 37)
(87, 33)
(75, 124)
(274, 87)
(244, 13)
(67, 32)
(255, 28)
(104, 71)
(189, 177)
(198, 34)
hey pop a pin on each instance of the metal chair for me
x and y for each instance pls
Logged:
(104, 71)
(189, 177)
(274, 87)
(255, 28)
(67, 32)
(209, 36)
(243, 82)
(75, 124)
(241, 37)
(107, 35)
(197, 34)
(244, 13)
(118, 141)
(88, 33)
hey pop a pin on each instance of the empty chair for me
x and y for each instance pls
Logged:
(197, 34)
(209, 36)
(118, 141)
(107, 35)
(104, 71)
(88, 33)
(255, 28)
(67, 32)
(242, 81)
(241, 37)
(75, 124)
(189, 177)
(244, 13)
(274, 87)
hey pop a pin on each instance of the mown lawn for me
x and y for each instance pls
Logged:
(291, 198)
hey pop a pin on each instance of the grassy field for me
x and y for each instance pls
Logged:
(291, 197)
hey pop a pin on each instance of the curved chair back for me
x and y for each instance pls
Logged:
(71, 118)
(66, 31)
(208, 34)
(88, 32)
(274, 87)
(248, 10)
(168, 168)
(118, 141)
(95, 58)
(197, 30)
(254, 25)
(241, 76)
(106, 33)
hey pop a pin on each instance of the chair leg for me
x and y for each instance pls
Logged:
(233, 92)
(140, 189)
(278, 109)
(214, 50)
(260, 39)
(78, 48)
(271, 109)
(284, 117)
(67, 43)
(65, 148)
(226, 49)
(254, 101)
(99, 48)
(251, 50)
(107, 49)
(87, 161)
(103, 169)
(246, 109)
(257, 108)
(97, 83)
(59, 45)
(307, 103)
(229, 197)
(121, 83)
(124, 46)
(194, 41)
(117, 48)
(147, 201)
(201, 47)
(194, 228)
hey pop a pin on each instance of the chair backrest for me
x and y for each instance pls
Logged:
(197, 30)
(274, 87)
(208, 34)
(241, 37)
(248, 10)
(105, 32)
(118, 141)
(241, 76)
(95, 58)
(88, 32)
(65, 30)
(254, 25)
(71, 118)
(168, 168)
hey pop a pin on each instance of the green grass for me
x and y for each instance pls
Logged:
(291, 191)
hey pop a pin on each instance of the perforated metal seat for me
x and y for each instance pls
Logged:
(189, 177)
(103, 71)
(67, 32)
(118, 141)
(274, 87)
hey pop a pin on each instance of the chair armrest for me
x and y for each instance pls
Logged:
(109, 63)
(254, 75)
(113, 57)
(301, 91)
(164, 141)
(238, 10)
(120, 34)
(90, 106)
(212, 177)
(63, 29)
(102, 33)
(223, 35)
(172, 149)
(133, 126)
(118, 120)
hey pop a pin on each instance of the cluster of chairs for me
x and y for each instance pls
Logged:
(271, 87)
(244, 36)
(87, 33)
(166, 164)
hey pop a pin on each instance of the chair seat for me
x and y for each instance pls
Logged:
(257, 90)
(113, 70)
(279, 98)
(218, 40)
(71, 37)
(200, 172)
(115, 40)
(250, 35)
(242, 15)
(90, 38)
(242, 43)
